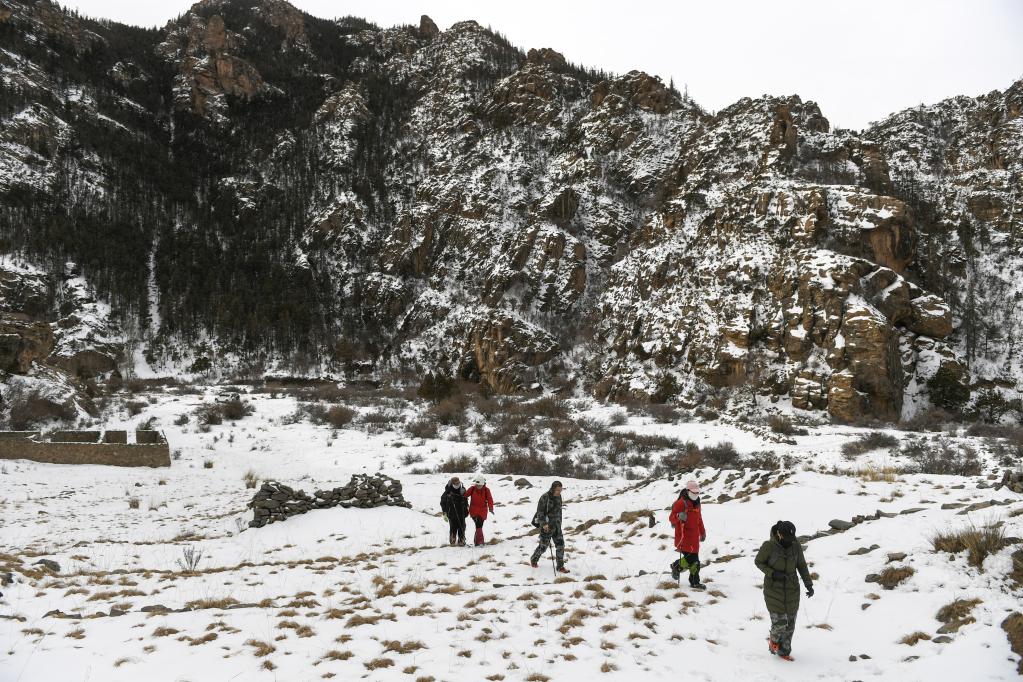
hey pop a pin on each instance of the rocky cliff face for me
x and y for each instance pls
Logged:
(410, 198)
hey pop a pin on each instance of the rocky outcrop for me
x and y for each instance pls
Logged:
(23, 342)
(501, 351)
(442, 201)
(209, 70)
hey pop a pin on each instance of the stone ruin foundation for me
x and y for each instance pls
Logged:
(277, 502)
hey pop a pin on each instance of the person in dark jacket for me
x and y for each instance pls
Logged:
(455, 509)
(780, 558)
(548, 518)
(687, 519)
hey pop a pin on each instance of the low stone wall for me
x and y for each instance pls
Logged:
(277, 502)
(27, 445)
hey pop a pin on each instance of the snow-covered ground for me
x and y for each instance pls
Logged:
(377, 594)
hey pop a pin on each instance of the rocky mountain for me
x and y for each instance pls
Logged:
(254, 188)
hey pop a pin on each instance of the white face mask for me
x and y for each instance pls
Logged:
(692, 496)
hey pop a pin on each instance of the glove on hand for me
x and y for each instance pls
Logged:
(809, 591)
(703, 538)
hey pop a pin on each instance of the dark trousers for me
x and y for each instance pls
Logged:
(546, 537)
(478, 537)
(456, 527)
(690, 562)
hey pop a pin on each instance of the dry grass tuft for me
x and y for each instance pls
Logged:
(403, 648)
(1013, 626)
(892, 576)
(164, 632)
(221, 603)
(912, 639)
(978, 543)
(956, 614)
(378, 663)
(261, 648)
(335, 655)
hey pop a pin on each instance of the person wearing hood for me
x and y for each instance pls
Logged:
(455, 509)
(780, 558)
(687, 519)
(480, 501)
(548, 520)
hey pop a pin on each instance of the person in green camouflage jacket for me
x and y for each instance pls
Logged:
(780, 558)
(548, 520)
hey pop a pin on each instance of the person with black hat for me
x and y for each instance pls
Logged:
(779, 559)
(548, 520)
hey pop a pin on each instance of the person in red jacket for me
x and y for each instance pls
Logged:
(687, 519)
(480, 500)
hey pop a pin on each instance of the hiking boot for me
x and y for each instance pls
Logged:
(697, 585)
(676, 571)
(461, 543)
(772, 647)
(533, 564)
(562, 569)
(785, 657)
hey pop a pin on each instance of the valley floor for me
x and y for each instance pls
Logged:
(377, 594)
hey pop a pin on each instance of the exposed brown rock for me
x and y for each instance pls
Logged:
(23, 341)
(427, 28)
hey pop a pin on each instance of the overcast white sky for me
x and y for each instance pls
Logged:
(859, 59)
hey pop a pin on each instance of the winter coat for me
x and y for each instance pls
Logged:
(782, 593)
(480, 500)
(549, 510)
(453, 503)
(688, 532)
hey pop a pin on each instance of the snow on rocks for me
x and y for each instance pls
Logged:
(277, 502)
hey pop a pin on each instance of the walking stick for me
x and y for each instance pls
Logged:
(680, 569)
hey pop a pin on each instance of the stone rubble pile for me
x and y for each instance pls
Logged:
(277, 502)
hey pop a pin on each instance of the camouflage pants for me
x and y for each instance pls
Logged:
(545, 542)
(783, 625)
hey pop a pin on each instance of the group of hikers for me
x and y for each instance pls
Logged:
(780, 558)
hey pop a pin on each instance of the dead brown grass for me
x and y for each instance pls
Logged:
(978, 542)
(956, 614)
(403, 647)
(912, 639)
(892, 576)
(1013, 626)
(378, 663)
(261, 648)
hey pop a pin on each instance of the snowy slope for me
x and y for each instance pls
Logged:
(279, 602)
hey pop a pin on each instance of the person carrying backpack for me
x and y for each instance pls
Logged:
(480, 501)
(548, 520)
(455, 509)
(780, 558)
(687, 518)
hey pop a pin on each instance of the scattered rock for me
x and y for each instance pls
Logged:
(863, 550)
(911, 510)
(852, 658)
(6, 579)
(873, 578)
(839, 524)
(50, 564)
(277, 502)
(155, 608)
(523, 483)
(896, 556)
(114, 613)
(943, 639)
(952, 505)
